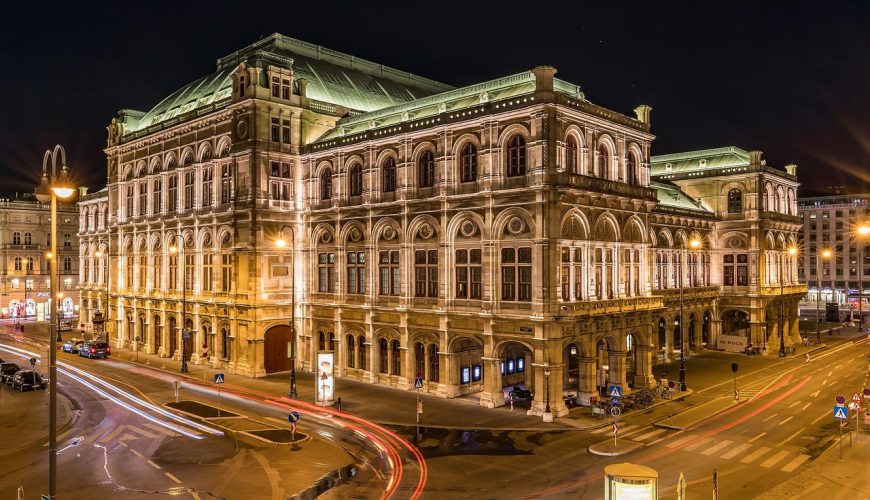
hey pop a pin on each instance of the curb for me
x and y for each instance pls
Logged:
(630, 447)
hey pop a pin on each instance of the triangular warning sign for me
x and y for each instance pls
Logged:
(218, 379)
(614, 391)
(840, 413)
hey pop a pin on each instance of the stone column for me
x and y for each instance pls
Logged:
(450, 374)
(493, 394)
(616, 362)
(643, 360)
(586, 387)
(772, 338)
(795, 330)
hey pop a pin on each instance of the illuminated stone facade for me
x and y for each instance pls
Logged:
(479, 237)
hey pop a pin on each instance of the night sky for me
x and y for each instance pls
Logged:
(789, 78)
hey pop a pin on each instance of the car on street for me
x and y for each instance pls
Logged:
(28, 380)
(72, 346)
(7, 371)
(95, 349)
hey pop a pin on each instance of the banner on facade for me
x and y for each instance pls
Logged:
(325, 379)
(732, 343)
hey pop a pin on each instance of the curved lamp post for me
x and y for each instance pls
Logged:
(792, 251)
(694, 244)
(52, 187)
(283, 243)
(184, 331)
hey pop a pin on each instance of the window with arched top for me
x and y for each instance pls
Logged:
(426, 170)
(395, 358)
(468, 163)
(571, 155)
(631, 168)
(388, 172)
(356, 180)
(16, 238)
(382, 356)
(735, 201)
(604, 162)
(516, 156)
(326, 184)
(28, 238)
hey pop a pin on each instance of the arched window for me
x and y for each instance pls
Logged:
(362, 352)
(516, 156)
(28, 238)
(396, 361)
(468, 163)
(631, 168)
(67, 264)
(426, 170)
(735, 201)
(571, 155)
(326, 184)
(321, 341)
(382, 356)
(433, 363)
(389, 175)
(16, 238)
(603, 162)
(225, 343)
(351, 359)
(356, 180)
(30, 263)
(18, 263)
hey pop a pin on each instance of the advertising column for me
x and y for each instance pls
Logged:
(325, 381)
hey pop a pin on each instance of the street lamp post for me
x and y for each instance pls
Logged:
(51, 188)
(179, 250)
(863, 233)
(107, 276)
(791, 251)
(826, 254)
(282, 243)
(694, 244)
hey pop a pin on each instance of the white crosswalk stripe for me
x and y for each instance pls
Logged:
(795, 463)
(699, 444)
(736, 451)
(713, 449)
(650, 434)
(770, 462)
(755, 455)
(679, 442)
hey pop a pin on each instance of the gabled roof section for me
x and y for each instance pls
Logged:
(333, 77)
(704, 159)
(453, 100)
(671, 196)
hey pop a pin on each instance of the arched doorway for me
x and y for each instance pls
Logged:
(705, 329)
(515, 363)
(275, 355)
(735, 322)
(188, 344)
(468, 355)
(156, 334)
(173, 337)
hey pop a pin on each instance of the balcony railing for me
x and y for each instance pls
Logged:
(606, 186)
(611, 306)
(798, 289)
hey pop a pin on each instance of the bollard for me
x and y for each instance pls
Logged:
(338, 402)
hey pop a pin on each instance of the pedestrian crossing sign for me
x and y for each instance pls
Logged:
(218, 378)
(614, 391)
(841, 412)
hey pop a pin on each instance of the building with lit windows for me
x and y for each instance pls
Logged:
(25, 242)
(508, 232)
(829, 223)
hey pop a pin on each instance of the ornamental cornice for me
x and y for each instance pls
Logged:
(223, 115)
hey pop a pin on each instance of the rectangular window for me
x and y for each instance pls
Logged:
(157, 197)
(276, 130)
(188, 272)
(189, 181)
(276, 86)
(173, 194)
(173, 272)
(388, 270)
(426, 273)
(326, 272)
(207, 186)
(129, 201)
(356, 272)
(508, 274)
(207, 271)
(226, 272)
(226, 183)
(742, 269)
(285, 131)
(143, 198)
(468, 274)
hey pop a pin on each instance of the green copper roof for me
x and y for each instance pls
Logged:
(704, 159)
(446, 102)
(332, 76)
(670, 195)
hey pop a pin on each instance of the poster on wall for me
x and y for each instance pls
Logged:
(40, 311)
(325, 380)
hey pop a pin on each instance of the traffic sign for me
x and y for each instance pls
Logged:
(218, 378)
(418, 382)
(614, 391)
(866, 393)
(615, 429)
(293, 417)
(614, 401)
(856, 398)
(840, 399)
(841, 412)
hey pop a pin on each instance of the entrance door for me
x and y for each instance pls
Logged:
(276, 358)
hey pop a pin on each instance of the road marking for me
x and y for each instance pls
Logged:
(137, 454)
(829, 373)
(806, 406)
(770, 417)
(122, 444)
(774, 459)
(833, 382)
(695, 446)
(815, 393)
(170, 476)
(824, 382)
(157, 428)
(786, 420)
(610, 429)
(635, 431)
(144, 433)
(792, 436)
(736, 451)
(650, 434)
(112, 434)
(794, 404)
(714, 449)
(823, 415)
(679, 442)
(756, 437)
(152, 464)
(795, 463)
(748, 459)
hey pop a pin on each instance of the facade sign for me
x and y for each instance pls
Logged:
(325, 379)
(732, 343)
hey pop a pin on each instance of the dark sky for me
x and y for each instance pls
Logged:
(789, 78)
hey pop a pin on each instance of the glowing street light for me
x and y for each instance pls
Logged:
(791, 251)
(826, 254)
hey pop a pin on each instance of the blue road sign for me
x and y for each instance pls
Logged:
(841, 412)
(614, 391)
(614, 401)
(293, 417)
(418, 383)
(218, 378)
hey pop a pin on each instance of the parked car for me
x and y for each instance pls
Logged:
(72, 346)
(7, 371)
(27, 380)
(95, 349)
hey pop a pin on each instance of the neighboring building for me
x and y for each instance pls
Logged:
(506, 232)
(829, 223)
(25, 239)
